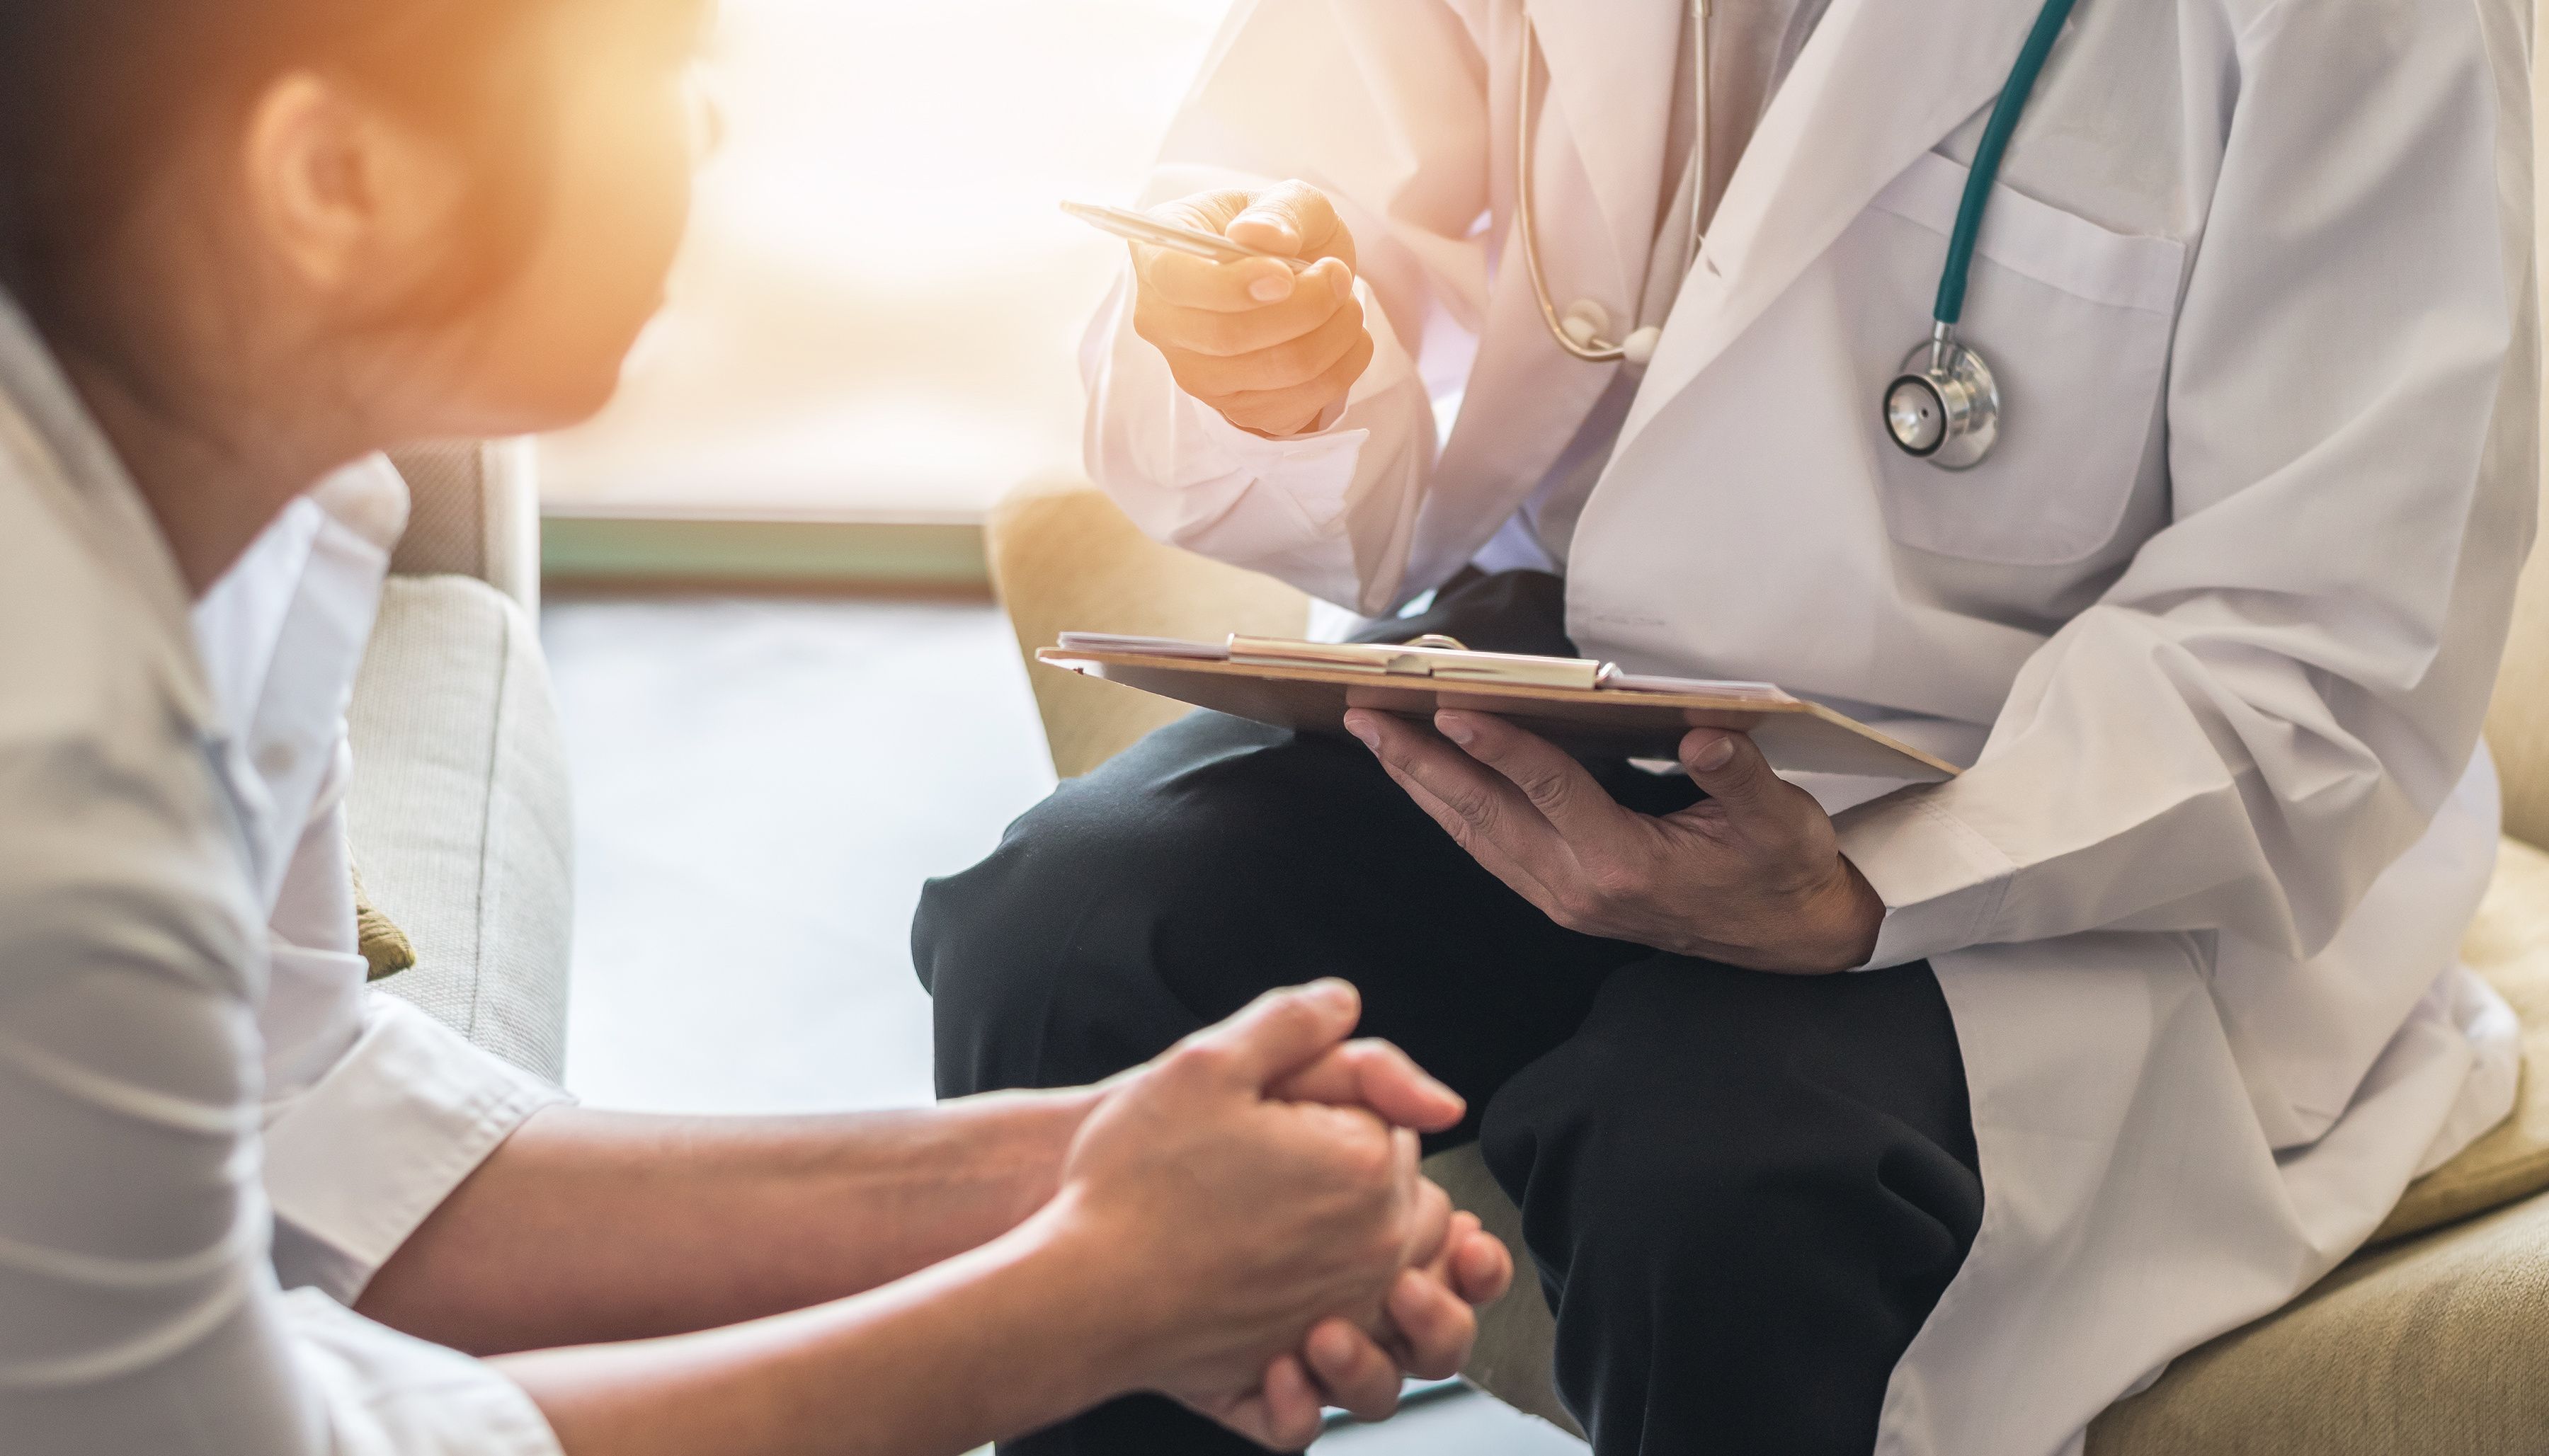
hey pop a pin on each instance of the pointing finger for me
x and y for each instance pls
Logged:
(1186, 281)
(1284, 1032)
(1378, 1077)
(1224, 334)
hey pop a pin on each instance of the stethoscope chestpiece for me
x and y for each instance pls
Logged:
(1944, 408)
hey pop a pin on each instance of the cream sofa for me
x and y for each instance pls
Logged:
(2434, 1340)
(459, 814)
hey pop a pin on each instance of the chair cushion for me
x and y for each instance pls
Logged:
(459, 813)
(2347, 1345)
(2509, 943)
(2433, 1344)
(1065, 559)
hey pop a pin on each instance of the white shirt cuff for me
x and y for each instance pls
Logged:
(355, 1164)
(389, 1395)
(1316, 466)
(1941, 882)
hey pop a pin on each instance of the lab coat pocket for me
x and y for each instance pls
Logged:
(2075, 322)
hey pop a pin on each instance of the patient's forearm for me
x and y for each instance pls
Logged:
(1003, 1340)
(594, 1226)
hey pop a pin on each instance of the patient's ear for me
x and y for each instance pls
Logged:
(352, 202)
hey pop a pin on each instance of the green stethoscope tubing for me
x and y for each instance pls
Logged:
(1987, 157)
(1944, 408)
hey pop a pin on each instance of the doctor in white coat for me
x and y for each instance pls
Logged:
(2213, 626)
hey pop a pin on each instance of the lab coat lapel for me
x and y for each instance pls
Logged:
(1880, 83)
(1611, 66)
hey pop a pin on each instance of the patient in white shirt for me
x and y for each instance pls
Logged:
(249, 1209)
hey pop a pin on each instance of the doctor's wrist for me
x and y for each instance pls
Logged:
(1839, 924)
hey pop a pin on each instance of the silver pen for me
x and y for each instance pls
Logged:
(1142, 227)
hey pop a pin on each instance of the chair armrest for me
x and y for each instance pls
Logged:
(1065, 559)
(2428, 1345)
(461, 813)
(476, 513)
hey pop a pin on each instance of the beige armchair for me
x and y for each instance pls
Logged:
(2433, 1340)
(459, 812)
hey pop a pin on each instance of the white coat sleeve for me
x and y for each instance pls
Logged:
(1383, 107)
(2269, 705)
(138, 1309)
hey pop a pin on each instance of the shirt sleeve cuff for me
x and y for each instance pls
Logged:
(389, 1395)
(357, 1162)
(1317, 466)
(1941, 882)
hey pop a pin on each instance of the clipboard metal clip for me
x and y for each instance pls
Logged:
(1434, 656)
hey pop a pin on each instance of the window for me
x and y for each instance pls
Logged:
(878, 310)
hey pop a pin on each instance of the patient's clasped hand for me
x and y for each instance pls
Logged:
(1263, 1177)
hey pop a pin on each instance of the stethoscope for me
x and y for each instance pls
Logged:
(1944, 406)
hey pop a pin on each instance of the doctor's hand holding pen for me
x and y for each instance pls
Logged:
(1271, 348)
(1752, 876)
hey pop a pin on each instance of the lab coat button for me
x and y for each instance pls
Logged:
(276, 760)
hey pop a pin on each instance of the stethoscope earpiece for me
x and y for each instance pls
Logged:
(1583, 330)
(1944, 406)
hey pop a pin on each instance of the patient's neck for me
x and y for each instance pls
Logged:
(213, 477)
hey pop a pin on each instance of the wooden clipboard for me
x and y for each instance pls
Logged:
(1587, 708)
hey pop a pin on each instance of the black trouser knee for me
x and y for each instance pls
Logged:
(1685, 1162)
(1217, 860)
(1744, 1193)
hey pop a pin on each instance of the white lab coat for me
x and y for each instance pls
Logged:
(2216, 626)
(201, 1107)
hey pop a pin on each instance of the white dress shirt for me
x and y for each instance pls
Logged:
(374, 1111)
(170, 939)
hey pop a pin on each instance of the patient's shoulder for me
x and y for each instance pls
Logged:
(111, 810)
(83, 657)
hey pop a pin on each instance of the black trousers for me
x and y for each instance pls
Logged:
(1744, 1192)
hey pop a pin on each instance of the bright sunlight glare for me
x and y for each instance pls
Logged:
(878, 310)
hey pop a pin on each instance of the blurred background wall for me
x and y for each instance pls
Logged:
(877, 316)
